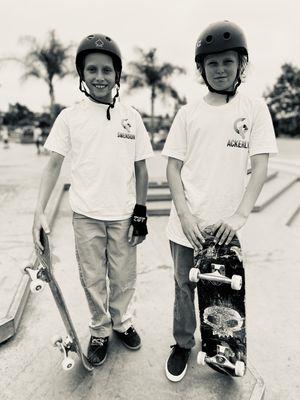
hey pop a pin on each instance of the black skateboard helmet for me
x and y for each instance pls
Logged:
(99, 43)
(218, 37)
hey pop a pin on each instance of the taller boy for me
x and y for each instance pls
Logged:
(208, 147)
(108, 144)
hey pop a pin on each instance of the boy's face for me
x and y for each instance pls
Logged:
(99, 76)
(221, 69)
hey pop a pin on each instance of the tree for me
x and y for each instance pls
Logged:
(19, 115)
(45, 61)
(284, 100)
(147, 72)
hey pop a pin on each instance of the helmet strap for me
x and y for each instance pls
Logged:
(228, 93)
(110, 105)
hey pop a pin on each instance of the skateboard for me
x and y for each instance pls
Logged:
(40, 275)
(219, 273)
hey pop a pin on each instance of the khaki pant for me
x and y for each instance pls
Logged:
(107, 268)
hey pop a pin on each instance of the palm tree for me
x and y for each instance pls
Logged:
(46, 62)
(147, 72)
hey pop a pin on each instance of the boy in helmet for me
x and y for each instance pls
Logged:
(108, 144)
(208, 148)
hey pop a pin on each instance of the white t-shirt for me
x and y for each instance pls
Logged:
(103, 153)
(214, 143)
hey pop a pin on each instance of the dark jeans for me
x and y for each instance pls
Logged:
(184, 322)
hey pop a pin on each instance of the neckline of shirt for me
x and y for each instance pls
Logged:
(90, 102)
(221, 106)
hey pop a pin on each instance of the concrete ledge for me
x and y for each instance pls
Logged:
(293, 217)
(159, 212)
(158, 184)
(261, 204)
(9, 324)
(259, 387)
(159, 197)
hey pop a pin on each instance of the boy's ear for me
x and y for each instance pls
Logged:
(199, 67)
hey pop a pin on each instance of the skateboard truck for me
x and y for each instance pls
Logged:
(217, 275)
(37, 279)
(221, 360)
(64, 346)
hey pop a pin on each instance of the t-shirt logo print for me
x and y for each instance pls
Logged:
(241, 127)
(126, 124)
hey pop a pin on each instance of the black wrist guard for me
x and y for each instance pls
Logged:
(139, 220)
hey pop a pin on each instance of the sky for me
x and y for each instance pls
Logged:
(172, 26)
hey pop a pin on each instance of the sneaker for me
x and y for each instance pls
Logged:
(176, 364)
(130, 338)
(97, 350)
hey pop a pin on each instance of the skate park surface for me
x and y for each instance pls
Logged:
(30, 366)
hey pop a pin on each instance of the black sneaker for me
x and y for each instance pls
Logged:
(130, 338)
(176, 364)
(97, 350)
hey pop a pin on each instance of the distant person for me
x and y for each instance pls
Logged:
(108, 144)
(37, 138)
(208, 146)
(5, 136)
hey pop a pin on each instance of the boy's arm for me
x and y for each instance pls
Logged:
(141, 178)
(190, 224)
(227, 229)
(48, 181)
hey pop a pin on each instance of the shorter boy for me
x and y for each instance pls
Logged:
(108, 144)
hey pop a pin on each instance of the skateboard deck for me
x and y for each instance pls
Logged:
(220, 276)
(40, 275)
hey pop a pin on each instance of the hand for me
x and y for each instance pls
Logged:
(39, 222)
(191, 228)
(227, 229)
(134, 240)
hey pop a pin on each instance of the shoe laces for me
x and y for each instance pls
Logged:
(98, 341)
(131, 328)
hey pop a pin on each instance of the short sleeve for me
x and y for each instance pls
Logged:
(59, 137)
(262, 137)
(176, 143)
(143, 147)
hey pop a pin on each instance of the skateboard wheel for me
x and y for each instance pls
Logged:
(55, 340)
(194, 275)
(37, 286)
(201, 358)
(236, 282)
(239, 368)
(68, 363)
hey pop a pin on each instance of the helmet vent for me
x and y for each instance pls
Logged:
(90, 37)
(209, 39)
(108, 38)
(227, 35)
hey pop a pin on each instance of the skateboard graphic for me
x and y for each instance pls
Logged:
(44, 274)
(219, 273)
